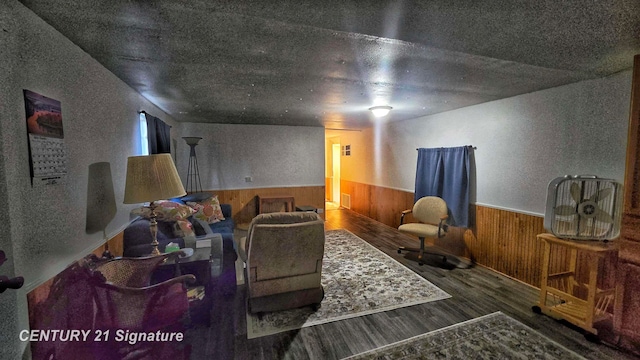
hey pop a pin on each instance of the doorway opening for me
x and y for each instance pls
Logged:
(335, 152)
(333, 174)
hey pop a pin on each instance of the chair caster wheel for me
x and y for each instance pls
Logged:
(420, 264)
(536, 309)
(399, 251)
(593, 338)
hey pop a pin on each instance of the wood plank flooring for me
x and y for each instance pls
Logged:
(475, 291)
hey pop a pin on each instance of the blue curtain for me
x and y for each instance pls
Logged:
(159, 135)
(444, 172)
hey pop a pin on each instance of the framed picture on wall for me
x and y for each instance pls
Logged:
(47, 155)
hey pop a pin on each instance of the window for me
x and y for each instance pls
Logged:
(144, 137)
(346, 150)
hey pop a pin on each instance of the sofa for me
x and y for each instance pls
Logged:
(137, 240)
(283, 255)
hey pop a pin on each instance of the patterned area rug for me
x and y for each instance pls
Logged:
(358, 279)
(493, 336)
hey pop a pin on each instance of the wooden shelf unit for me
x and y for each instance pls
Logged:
(281, 201)
(558, 290)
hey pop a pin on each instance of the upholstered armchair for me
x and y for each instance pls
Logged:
(283, 261)
(125, 298)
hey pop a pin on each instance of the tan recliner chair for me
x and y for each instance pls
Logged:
(283, 261)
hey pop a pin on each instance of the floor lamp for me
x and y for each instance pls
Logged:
(193, 175)
(151, 178)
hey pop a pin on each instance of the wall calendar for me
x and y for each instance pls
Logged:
(47, 154)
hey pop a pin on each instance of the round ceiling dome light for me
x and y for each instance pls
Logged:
(380, 111)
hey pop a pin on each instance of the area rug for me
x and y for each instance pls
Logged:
(493, 336)
(358, 280)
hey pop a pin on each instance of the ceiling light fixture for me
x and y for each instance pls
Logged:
(380, 111)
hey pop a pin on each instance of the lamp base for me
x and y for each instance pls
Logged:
(153, 227)
(155, 250)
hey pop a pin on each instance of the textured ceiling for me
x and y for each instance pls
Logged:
(324, 63)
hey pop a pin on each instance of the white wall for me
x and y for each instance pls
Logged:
(273, 156)
(522, 142)
(44, 226)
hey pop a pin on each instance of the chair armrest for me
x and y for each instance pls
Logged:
(154, 307)
(442, 226)
(190, 240)
(187, 279)
(130, 271)
(402, 215)
(242, 248)
(207, 230)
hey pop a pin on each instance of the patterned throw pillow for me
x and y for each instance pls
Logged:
(170, 211)
(208, 210)
(183, 228)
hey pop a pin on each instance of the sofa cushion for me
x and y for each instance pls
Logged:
(166, 210)
(226, 208)
(208, 210)
(170, 211)
(226, 211)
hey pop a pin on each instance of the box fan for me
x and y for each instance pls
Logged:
(583, 208)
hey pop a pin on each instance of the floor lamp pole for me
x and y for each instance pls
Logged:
(193, 174)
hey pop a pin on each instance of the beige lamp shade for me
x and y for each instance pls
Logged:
(192, 140)
(151, 178)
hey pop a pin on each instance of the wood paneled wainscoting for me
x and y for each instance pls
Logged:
(244, 201)
(504, 241)
(115, 245)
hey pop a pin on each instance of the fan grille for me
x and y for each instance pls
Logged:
(583, 208)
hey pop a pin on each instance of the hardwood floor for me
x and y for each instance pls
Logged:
(475, 291)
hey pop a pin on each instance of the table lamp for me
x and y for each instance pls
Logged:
(151, 178)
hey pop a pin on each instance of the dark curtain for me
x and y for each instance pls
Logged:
(159, 135)
(445, 172)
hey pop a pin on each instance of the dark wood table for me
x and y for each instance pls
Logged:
(206, 264)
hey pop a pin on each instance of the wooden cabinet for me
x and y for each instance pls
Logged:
(627, 308)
